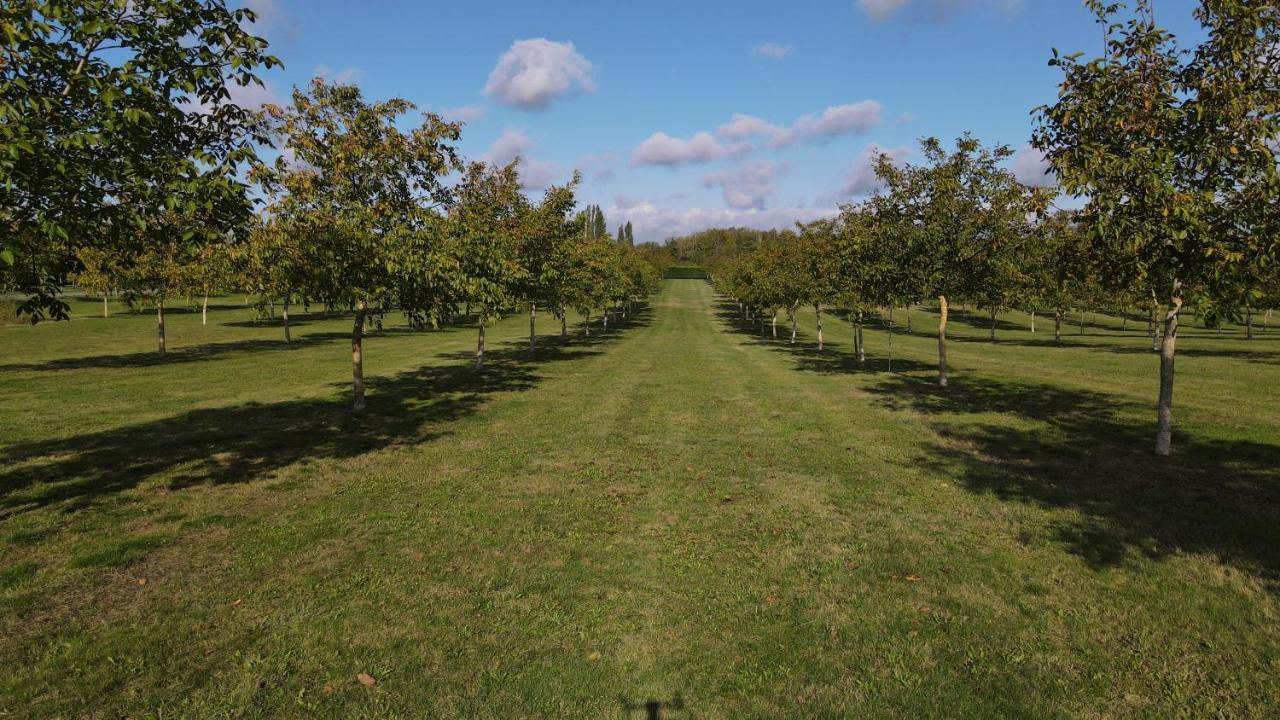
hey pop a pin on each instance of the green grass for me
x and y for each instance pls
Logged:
(679, 512)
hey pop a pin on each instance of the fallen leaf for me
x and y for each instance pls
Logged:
(237, 601)
(142, 581)
(913, 578)
(366, 679)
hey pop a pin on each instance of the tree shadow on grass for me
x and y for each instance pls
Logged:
(832, 359)
(253, 441)
(1073, 450)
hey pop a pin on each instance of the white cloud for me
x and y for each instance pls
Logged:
(599, 168)
(747, 186)
(862, 179)
(839, 119)
(741, 127)
(654, 224)
(1031, 168)
(535, 72)
(515, 145)
(345, 76)
(771, 50)
(662, 149)
(465, 114)
(879, 10)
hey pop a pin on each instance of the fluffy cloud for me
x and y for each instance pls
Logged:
(1031, 168)
(862, 179)
(662, 149)
(932, 9)
(836, 120)
(535, 72)
(515, 145)
(771, 50)
(748, 186)
(599, 168)
(655, 224)
(734, 137)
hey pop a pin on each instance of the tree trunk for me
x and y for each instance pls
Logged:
(858, 348)
(1033, 321)
(942, 340)
(604, 322)
(564, 324)
(890, 365)
(1164, 410)
(204, 310)
(1248, 322)
(480, 343)
(817, 313)
(1151, 324)
(775, 324)
(533, 337)
(285, 316)
(1082, 322)
(993, 324)
(106, 311)
(908, 319)
(160, 325)
(792, 313)
(271, 308)
(1057, 325)
(357, 356)
(586, 324)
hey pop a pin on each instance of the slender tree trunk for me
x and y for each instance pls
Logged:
(533, 336)
(480, 342)
(204, 310)
(106, 311)
(1057, 325)
(604, 322)
(858, 348)
(160, 325)
(1164, 410)
(1081, 321)
(993, 324)
(586, 324)
(942, 340)
(817, 312)
(890, 365)
(1248, 322)
(357, 356)
(271, 308)
(564, 324)
(1033, 321)
(775, 324)
(285, 315)
(792, 313)
(908, 319)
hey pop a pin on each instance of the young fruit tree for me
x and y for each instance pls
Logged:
(110, 113)
(360, 196)
(488, 221)
(1175, 154)
(957, 216)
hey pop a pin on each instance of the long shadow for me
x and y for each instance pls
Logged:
(252, 441)
(831, 360)
(1220, 497)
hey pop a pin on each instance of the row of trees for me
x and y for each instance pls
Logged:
(1172, 153)
(126, 167)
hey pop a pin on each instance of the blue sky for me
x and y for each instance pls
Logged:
(684, 115)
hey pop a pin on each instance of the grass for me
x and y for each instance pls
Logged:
(676, 519)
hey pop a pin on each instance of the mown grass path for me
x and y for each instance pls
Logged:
(678, 513)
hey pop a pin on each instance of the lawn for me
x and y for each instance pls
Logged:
(678, 518)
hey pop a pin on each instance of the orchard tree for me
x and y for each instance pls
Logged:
(1176, 154)
(545, 255)
(361, 196)
(112, 112)
(487, 223)
(98, 272)
(956, 215)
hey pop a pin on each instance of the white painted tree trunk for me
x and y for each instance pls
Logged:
(106, 311)
(533, 334)
(1164, 409)
(357, 357)
(942, 340)
(204, 310)
(775, 324)
(817, 313)
(1033, 321)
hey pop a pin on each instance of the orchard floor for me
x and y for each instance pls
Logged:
(676, 519)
